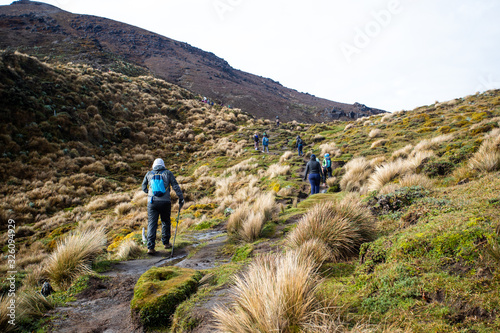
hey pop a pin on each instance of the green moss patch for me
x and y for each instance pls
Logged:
(159, 291)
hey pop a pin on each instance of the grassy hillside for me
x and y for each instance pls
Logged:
(406, 237)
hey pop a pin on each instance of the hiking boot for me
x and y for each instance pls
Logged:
(151, 251)
(168, 246)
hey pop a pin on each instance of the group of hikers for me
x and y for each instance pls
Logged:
(159, 180)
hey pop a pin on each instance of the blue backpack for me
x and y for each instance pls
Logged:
(265, 141)
(157, 185)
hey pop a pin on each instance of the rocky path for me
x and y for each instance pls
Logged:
(105, 305)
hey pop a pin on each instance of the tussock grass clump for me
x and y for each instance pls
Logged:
(403, 152)
(32, 304)
(357, 172)
(74, 255)
(276, 294)
(123, 209)
(129, 249)
(487, 158)
(331, 148)
(386, 173)
(106, 202)
(429, 144)
(275, 170)
(140, 199)
(252, 226)
(343, 226)
(286, 156)
(416, 180)
(235, 220)
(247, 220)
(375, 133)
(225, 186)
(379, 143)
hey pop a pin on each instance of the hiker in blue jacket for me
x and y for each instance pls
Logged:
(159, 181)
(314, 168)
(265, 143)
(299, 144)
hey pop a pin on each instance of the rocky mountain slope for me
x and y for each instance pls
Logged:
(46, 31)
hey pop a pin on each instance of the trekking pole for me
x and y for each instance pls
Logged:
(175, 234)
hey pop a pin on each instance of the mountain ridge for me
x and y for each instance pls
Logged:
(47, 31)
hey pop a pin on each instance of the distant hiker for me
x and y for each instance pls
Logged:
(314, 168)
(277, 121)
(46, 289)
(159, 181)
(265, 144)
(327, 167)
(256, 141)
(299, 144)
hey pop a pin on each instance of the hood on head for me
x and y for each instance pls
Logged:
(158, 163)
(313, 157)
(327, 155)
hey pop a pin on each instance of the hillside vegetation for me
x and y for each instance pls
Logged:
(406, 237)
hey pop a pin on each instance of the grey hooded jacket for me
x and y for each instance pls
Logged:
(168, 180)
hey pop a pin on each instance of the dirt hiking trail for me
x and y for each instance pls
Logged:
(105, 305)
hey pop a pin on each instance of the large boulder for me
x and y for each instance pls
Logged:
(159, 291)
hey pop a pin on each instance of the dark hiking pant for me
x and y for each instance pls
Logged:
(155, 210)
(314, 180)
(299, 148)
(327, 173)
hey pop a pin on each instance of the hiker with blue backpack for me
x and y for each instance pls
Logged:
(159, 181)
(327, 167)
(265, 143)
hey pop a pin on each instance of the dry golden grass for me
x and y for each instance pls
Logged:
(314, 251)
(74, 255)
(225, 186)
(357, 172)
(32, 304)
(265, 203)
(123, 209)
(416, 180)
(403, 152)
(331, 181)
(330, 148)
(106, 202)
(96, 167)
(129, 249)
(416, 158)
(285, 191)
(429, 144)
(487, 158)
(246, 193)
(386, 173)
(375, 133)
(387, 117)
(343, 226)
(348, 127)
(252, 226)
(277, 169)
(201, 171)
(4, 318)
(245, 165)
(286, 156)
(276, 294)
(379, 143)
(235, 220)
(140, 199)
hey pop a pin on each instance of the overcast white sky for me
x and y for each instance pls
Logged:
(389, 54)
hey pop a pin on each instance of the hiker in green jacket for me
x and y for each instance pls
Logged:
(327, 167)
(157, 184)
